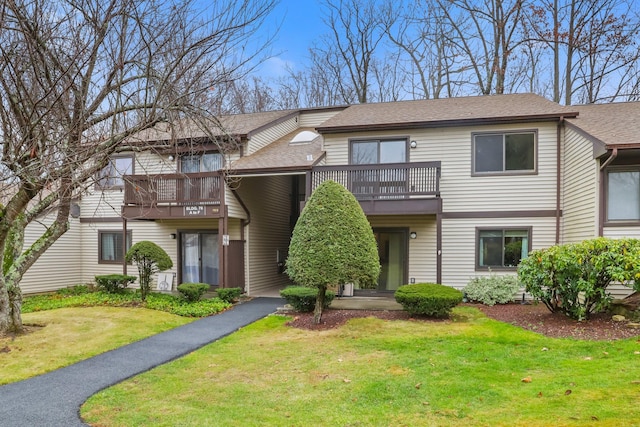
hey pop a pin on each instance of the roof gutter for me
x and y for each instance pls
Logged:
(611, 158)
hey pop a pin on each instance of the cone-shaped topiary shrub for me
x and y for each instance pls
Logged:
(332, 244)
(150, 259)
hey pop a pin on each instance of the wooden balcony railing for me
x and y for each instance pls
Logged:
(383, 181)
(173, 189)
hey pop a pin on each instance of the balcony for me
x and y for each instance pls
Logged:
(172, 195)
(384, 189)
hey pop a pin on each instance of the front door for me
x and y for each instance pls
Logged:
(199, 258)
(392, 249)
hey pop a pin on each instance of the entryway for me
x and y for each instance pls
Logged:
(199, 257)
(392, 250)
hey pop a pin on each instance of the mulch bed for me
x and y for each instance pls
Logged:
(534, 317)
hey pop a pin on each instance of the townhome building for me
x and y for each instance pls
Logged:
(453, 188)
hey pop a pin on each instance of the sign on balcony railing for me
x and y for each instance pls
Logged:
(383, 181)
(173, 189)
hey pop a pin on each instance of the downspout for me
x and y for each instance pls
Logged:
(601, 210)
(222, 231)
(558, 176)
(124, 245)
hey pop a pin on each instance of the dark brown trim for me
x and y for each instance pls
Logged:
(443, 123)
(439, 248)
(291, 170)
(124, 246)
(115, 261)
(406, 138)
(505, 172)
(99, 187)
(604, 199)
(601, 202)
(405, 232)
(500, 214)
(98, 220)
(275, 122)
(528, 229)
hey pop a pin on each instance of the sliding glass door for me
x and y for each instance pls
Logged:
(199, 258)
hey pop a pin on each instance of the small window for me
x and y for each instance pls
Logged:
(112, 175)
(110, 249)
(502, 248)
(375, 152)
(623, 195)
(504, 152)
(195, 163)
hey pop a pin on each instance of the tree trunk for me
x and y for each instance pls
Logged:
(15, 310)
(317, 312)
(5, 317)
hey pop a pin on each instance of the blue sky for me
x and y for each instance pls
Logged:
(300, 24)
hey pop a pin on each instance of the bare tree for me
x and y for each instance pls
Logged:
(593, 45)
(77, 79)
(487, 32)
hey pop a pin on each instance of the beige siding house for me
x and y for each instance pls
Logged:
(453, 189)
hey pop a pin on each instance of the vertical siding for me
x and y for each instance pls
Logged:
(60, 266)
(267, 199)
(580, 189)
(459, 245)
(267, 136)
(422, 250)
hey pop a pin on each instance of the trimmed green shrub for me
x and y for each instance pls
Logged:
(229, 294)
(303, 298)
(150, 259)
(428, 299)
(192, 292)
(492, 289)
(332, 243)
(114, 283)
(573, 278)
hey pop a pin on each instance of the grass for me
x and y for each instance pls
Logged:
(61, 337)
(379, 373)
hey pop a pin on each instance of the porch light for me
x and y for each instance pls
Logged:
(173, 236)
(171, 158)
(414, 144)
(413, 235)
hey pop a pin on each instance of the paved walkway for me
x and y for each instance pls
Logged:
(54, 399)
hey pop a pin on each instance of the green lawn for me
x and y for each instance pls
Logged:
(67, 335)
(384, 373)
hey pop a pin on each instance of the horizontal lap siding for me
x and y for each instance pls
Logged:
(459, 244)
(265, 137)
(580, 189)
(60, 266)
(422, 249)
(158, 232)
(267, 198)
(316, 118)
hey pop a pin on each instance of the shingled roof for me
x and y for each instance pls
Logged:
(446, 112)
(236, 125)
(282, 156)
(614, 125)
